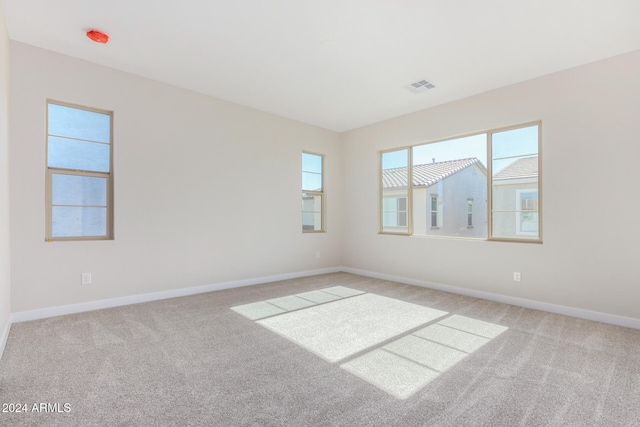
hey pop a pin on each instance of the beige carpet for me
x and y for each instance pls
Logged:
(194, 362)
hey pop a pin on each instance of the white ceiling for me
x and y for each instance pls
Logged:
(338, 64)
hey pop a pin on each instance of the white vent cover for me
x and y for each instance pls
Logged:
(420, 86)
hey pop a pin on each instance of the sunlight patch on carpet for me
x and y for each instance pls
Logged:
(339, 322)
(271, 307)
(258, 310)
(413, 361)
(342, 328)
(391, 373)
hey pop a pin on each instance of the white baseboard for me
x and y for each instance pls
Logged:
(521, 302)
(4, 337)
(155, 296)
(24, 316)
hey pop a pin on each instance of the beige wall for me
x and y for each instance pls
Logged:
(590, 129)
(189, 172)
(5, 287)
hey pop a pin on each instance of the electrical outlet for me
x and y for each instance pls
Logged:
(516, 276)
(86, 278)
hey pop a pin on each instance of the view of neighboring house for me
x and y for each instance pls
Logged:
(449, 199)
(311, 212)
(515, 199)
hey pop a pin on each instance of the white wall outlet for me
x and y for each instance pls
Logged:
(516, 276)
(86, 278)
(318, 255)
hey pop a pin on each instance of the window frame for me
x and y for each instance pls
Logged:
(320, 193)
(408, 195)
(51, 170)
(489, 237)
(490, 184)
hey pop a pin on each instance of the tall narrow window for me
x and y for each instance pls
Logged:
(312, 193)
(434, 211)
(469, 212)
(395, 191)
(515, 183)
(79, 178)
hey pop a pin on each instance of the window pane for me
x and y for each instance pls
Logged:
(512, 145)
(446, 175)
(311, 181)
(78, 155)
(312, 202)
(395, 191)
(390, 219)
(515, 183)
(515, 225)
(80, 124)
(389, 204)
(78, 221)
(311, 163)
(79, 190)
(402, 219)
(528, 223)
(311, 212)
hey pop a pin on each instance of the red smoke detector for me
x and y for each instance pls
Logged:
(97, 36)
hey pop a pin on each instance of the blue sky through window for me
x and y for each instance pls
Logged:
(511, 143)
(311, 172)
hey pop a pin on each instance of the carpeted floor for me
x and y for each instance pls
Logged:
(194, 361)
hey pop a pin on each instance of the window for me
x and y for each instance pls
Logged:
(479, 186)
(79, 179)
(434, 211)
(312, 193)
(515, 205)
(394, 212)
(396, 203)
(527, 217)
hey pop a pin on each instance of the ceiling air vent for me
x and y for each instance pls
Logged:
(419, 86)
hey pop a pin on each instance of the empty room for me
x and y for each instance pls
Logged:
(336, 213)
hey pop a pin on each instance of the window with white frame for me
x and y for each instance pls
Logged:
(312, 192)
(434, 211)
(394, 212)
(466, 186)
(79, 179)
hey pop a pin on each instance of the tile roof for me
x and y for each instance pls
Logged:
(427, 174)
(521, 168)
